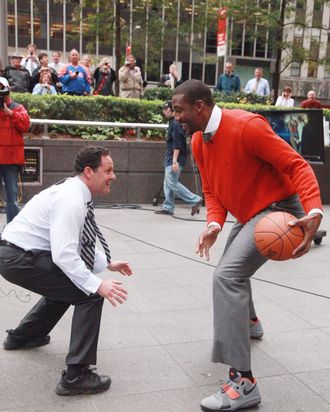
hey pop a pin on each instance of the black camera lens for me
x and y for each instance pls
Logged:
(77, 72)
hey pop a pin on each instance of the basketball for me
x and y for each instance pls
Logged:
(274, 238)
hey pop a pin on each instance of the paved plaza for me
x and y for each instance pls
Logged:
(156, 347)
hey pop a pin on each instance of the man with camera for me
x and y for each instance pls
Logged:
(130, 79)
(74, 77)
(14, 121)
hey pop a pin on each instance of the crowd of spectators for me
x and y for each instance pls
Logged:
(79, 77)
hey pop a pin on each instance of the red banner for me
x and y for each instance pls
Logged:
(221, 35)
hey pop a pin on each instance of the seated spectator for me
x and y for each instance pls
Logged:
(104, 77)
(17, 76)
(285, 99)
(30, 61)
(171, 79)
(45, 84)
(229, 82)
(311, 102)
(258, 85)
(43, 59)
(56, 63)
(73, 77)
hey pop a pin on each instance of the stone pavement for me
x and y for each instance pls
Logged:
(156, 347)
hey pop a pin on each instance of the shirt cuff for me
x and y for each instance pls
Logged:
(315, 210)
(214, 224)
(92, 284)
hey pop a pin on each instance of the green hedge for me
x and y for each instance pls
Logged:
(111, 109)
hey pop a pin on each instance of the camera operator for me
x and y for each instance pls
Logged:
(104, 77)
(14, 121)
(30, 61)
(130, 79)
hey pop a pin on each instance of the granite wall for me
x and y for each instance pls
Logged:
(138, 167)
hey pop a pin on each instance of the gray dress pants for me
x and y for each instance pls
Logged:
(36, 272)
(232, 297)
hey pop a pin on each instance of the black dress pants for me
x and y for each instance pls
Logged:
(36, 272)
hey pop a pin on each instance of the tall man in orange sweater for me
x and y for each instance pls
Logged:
(247, 170)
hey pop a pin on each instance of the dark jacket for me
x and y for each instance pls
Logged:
(176, 139)
(19, 79)
(36, 75)
(229, 84)
(104, 82)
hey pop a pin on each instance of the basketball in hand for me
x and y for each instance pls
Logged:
(274, 238)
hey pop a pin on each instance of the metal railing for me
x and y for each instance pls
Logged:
(136, 126)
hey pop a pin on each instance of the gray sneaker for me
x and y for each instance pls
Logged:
(256, 329)
(237, 393)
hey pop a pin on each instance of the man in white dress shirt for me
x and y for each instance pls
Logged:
(41, 251)
(258, 85)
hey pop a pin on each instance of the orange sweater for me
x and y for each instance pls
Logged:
(246, 167)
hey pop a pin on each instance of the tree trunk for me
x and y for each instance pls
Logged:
(117, 44)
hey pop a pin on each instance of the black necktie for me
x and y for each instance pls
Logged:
(88, 240)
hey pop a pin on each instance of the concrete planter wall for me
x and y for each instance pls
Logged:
(138, 167)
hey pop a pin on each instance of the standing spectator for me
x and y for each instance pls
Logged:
(175, 160)
(56, 63)
(104, 77)
(311, 102)
(172, 79)
(74, 78)
(130, 79)
(43, 59)
(30, 61)
(14, 121)
(258, 85)
(45, 84)
(229, 82)
(275, 177)
(285, 99)
(52, 249)
(17, 76)
(86, 64)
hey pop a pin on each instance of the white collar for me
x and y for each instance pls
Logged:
(214, 120)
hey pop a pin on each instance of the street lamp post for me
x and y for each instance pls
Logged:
(3, 34)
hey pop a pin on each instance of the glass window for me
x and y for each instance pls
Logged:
(300, 11)
(236, 47)
(317, 13)
(211, 42)
(314, 55)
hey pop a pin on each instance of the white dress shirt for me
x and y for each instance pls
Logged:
(260, 87)
(53, 220)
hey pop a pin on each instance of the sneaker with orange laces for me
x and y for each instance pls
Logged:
(237, 393)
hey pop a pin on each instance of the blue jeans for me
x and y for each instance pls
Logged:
(172, 188)
(9, 176)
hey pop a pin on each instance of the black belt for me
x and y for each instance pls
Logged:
(6, 243)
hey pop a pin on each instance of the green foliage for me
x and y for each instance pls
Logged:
(112, 109)
(241, 97)
(158, 93)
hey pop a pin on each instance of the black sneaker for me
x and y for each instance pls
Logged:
(196, 208)
(14, 341)
(163, 212)
(87, 382)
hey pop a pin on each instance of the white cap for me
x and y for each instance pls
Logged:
(4, 82)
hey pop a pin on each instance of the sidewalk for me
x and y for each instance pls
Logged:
(156, 347)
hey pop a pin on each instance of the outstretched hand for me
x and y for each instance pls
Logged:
(121, 267)
(309, 224)
(206, 240)
(113, 291)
